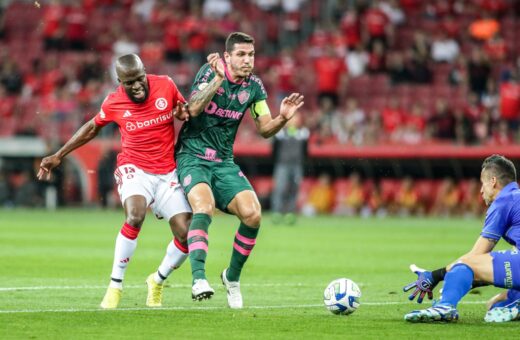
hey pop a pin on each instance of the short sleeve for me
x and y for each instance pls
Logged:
(495, 224)
(103, 117)
(204, 76)
(177, 95)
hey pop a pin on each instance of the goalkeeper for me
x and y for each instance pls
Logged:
(481, 266)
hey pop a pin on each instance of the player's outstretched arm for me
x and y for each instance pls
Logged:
(85, 133)
(268, 127)
(202, 96)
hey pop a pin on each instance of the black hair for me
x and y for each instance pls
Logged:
(238, 38)
(500, 167)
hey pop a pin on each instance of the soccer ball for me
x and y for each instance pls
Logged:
(342, 296)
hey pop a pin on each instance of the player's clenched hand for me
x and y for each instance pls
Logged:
(46, 166)
(423, 285)
(216, 63)
(290, 105)
(181, 111)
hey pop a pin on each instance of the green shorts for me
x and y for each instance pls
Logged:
(225, 178)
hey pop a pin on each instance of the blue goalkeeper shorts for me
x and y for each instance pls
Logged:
(506, 268)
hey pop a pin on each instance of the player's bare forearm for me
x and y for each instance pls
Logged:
(271, 127)
(87, 132)
(199, 100)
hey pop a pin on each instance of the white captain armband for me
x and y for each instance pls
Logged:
(259, 108)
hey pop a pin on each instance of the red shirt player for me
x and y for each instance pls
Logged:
(143, 106)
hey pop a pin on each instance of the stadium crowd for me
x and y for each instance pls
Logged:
(373, 72)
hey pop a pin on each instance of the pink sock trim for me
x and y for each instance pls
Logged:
(245, 240)
(241, 250)
(198, 245)
(129, 231)
(197, 232)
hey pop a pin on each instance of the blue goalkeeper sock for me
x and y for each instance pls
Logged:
(457, 283)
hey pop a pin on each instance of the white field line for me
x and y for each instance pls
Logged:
(79, 310)
(10, 289)
(84, 310)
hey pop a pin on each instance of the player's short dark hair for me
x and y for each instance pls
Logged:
(500, 167)
(238, 38)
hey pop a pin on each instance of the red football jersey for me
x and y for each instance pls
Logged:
(147, 133)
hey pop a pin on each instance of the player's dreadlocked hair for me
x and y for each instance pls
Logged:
(238, 38)
(502, 168)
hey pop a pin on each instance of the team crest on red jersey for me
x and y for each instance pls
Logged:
(161, 104)
(243, 96)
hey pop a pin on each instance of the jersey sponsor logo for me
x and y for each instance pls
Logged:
(102, 114)
(220, 91)
(150, 122)
(243, 96)
(127, 114)
(213, 109)
(130, 126)
(161, 104)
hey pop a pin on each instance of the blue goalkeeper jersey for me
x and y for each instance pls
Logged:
(503, 216)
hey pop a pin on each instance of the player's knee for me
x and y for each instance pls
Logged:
(135, 217)
(252, 217)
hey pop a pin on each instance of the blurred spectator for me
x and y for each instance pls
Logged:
(482, 128)
(53, 25)
(501, 134)
(143, 9)
(479, 71)
(215, 9)
(7, 103)
(392, 118)
(407, 199)
(289, 153)
(413, 127)
(11, 77)
(484, 28)
(172, 34)
(375, 205)
(491, 98)
(321, 197)
(444, 48)
(510, 103)
(471, 201)
(373, 131)
(441, 124)
(286, 72)
(447, 199)
(377, 58)
(76, 27)
(350, 26)
(496, 48)
(331, 74)
(458, 75)
(397, 70)
(463, 127)
(451, 26)
(348, 123)
(357, 60)
(354, 200)
(393, 11)
(376, 26)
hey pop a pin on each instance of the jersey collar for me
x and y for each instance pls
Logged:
(229, 78)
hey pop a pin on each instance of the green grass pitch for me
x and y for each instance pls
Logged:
(55, 267)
